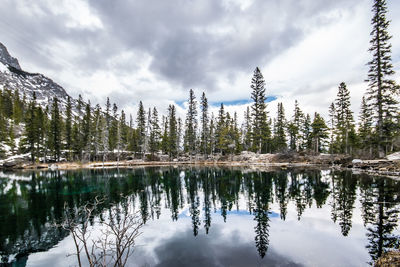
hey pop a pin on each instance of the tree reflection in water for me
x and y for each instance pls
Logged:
(33, 202)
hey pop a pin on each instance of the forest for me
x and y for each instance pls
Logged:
(82, 132)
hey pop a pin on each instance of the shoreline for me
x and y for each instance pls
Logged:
(127, 164)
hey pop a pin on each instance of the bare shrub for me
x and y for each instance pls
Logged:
(119, 226)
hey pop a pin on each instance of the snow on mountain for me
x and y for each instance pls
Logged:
(13, 77)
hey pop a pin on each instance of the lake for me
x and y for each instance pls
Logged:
(208, 216)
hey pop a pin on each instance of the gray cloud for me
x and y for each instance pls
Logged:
(201, 44)
(214, 249)
(182, 37)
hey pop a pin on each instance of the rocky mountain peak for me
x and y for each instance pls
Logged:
(7, 59)
(12, 77)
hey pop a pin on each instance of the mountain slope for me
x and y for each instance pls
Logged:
(13, 77)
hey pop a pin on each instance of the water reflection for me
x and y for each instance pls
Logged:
(31, 203)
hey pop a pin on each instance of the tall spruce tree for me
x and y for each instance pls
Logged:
(246, 130)
(113, 133)
(381, 88)
(220, 131)
(344, 120)
(294, 127)
(55, 130)
(204, 138)
(191, 125)
(155, 133)
(280, 133)
(173, 132)
(31, 127)
(319, 133)
(141, 128)
(332, 128)
(86, 132)
(68, 127)
(260, 129)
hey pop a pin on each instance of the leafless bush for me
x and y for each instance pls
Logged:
(119, 227)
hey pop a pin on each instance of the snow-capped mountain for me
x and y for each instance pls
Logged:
(13, 77)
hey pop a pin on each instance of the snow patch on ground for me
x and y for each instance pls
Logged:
(19, 156)
(3, 68)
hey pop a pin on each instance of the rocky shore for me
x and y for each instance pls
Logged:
(388, 167)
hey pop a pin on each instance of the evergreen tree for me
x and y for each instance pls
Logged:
(319, 133)
(246, 130)
(280, 135)
(191, 125)
(344, 120)
(141, 127)
(31, 127)
(68, 127)
(124, 129)
(164, 137)
(204, 126)
(86, 131)
(113, 133)
(173, 132)
(381, 89)
(294, 127)
(212, 136)
(260, 130)
(221, 131)
(155, 133)
(332, 129)
(55, 131)
(98, 128)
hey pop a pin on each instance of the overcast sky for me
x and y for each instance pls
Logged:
(155, 51)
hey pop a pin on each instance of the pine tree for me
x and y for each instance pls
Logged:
(31, 127)
(319, 133)
(204, 126)
(173, 132)
(260, 130)
(86, 131)
(344, 120)
(55, 130)
(332, 129)
(212, 142)
(294, 127)
(68, 127)
(280, 135)
(98, 131)
(124, 131)
(107, 129)
(113, 133)
(381, 89)
(141, 128)
(246, 130)
(306, 133)
(220, 131)
(191, 125)
(164, 137)
(155, 133)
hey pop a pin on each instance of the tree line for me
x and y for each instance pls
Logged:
(83, 132)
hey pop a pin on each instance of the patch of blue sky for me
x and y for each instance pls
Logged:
(230, 103)
(186, 214)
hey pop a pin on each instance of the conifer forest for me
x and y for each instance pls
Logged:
(220, 141)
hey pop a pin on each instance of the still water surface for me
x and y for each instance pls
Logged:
(209, 216)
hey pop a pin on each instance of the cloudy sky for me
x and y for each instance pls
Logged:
(155, 51)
